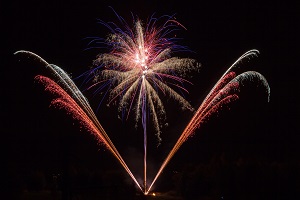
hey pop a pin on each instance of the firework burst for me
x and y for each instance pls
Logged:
(139, 69)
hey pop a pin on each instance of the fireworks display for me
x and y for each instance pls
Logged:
(150, 100)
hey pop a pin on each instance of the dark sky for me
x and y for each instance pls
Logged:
(36, 137)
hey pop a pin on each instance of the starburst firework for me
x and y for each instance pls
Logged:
(139, 68)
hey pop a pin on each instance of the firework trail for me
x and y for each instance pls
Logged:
(70, 98)
(139, 68)
(222, 93)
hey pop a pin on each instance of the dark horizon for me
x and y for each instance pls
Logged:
(255, 144)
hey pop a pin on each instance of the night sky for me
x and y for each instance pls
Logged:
(234, 155)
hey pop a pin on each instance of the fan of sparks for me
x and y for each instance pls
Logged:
(139, 68)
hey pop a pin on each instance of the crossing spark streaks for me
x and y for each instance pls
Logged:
(222, 93)
(68, 97)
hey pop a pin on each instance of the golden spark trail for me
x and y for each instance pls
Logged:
(72, 100)
(222, 93)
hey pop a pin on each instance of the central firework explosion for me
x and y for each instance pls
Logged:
(139, 68)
